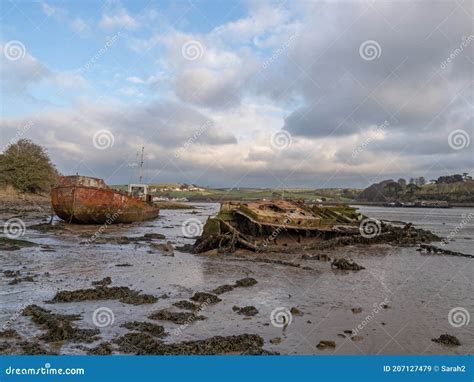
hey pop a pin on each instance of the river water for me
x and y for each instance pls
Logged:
(419, 290)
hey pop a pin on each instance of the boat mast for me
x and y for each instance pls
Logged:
(141, 164)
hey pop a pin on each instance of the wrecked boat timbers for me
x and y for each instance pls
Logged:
(283, 226)
(404, 236)
(274, 225)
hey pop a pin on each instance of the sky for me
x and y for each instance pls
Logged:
(241, 93)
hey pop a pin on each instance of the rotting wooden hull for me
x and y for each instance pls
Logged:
(86, 200)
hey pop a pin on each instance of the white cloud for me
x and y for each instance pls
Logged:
(119, 19)
(79, 25)
(135, 80)
(53, 11)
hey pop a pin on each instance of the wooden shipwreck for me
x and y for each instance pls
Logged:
(86, 200)
(264, 225)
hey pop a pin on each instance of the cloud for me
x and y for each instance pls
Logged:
(135, 80)
(296, 66)
(79, 25)
(53, 11)
(19, 74)
(118, 19)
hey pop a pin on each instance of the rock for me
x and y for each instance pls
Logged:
(150, 236)
(7, 244)
(448, 340)
(102, 349)
(345, 264)
(246, 310)
(222, 289)
(180, 318)
(167, 248)
(295, 311)
(276, 340)
(11, 274)
(186, 248)
(146, 327)
(203, 297)
(123, 294)
(143, 343)
(9, 333)
(188, 305)
(357, 338)
(104, 282)
(58, 326)
(325, 344)
(246, 282)
(356, 310)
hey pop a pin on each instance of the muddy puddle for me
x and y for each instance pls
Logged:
(209, 309)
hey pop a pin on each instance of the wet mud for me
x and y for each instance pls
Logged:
(151, 294)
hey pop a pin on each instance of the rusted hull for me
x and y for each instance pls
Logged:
(76, 203)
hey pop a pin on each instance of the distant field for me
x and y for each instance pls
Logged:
(217, 194)
(455, 193)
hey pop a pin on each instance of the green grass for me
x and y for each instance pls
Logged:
(217, 194)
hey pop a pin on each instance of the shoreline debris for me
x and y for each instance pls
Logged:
(432, 249)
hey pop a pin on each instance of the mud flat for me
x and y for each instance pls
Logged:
(253, 302)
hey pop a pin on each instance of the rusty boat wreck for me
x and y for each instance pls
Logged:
(87, 200)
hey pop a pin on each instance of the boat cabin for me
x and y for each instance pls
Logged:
(140, 191)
